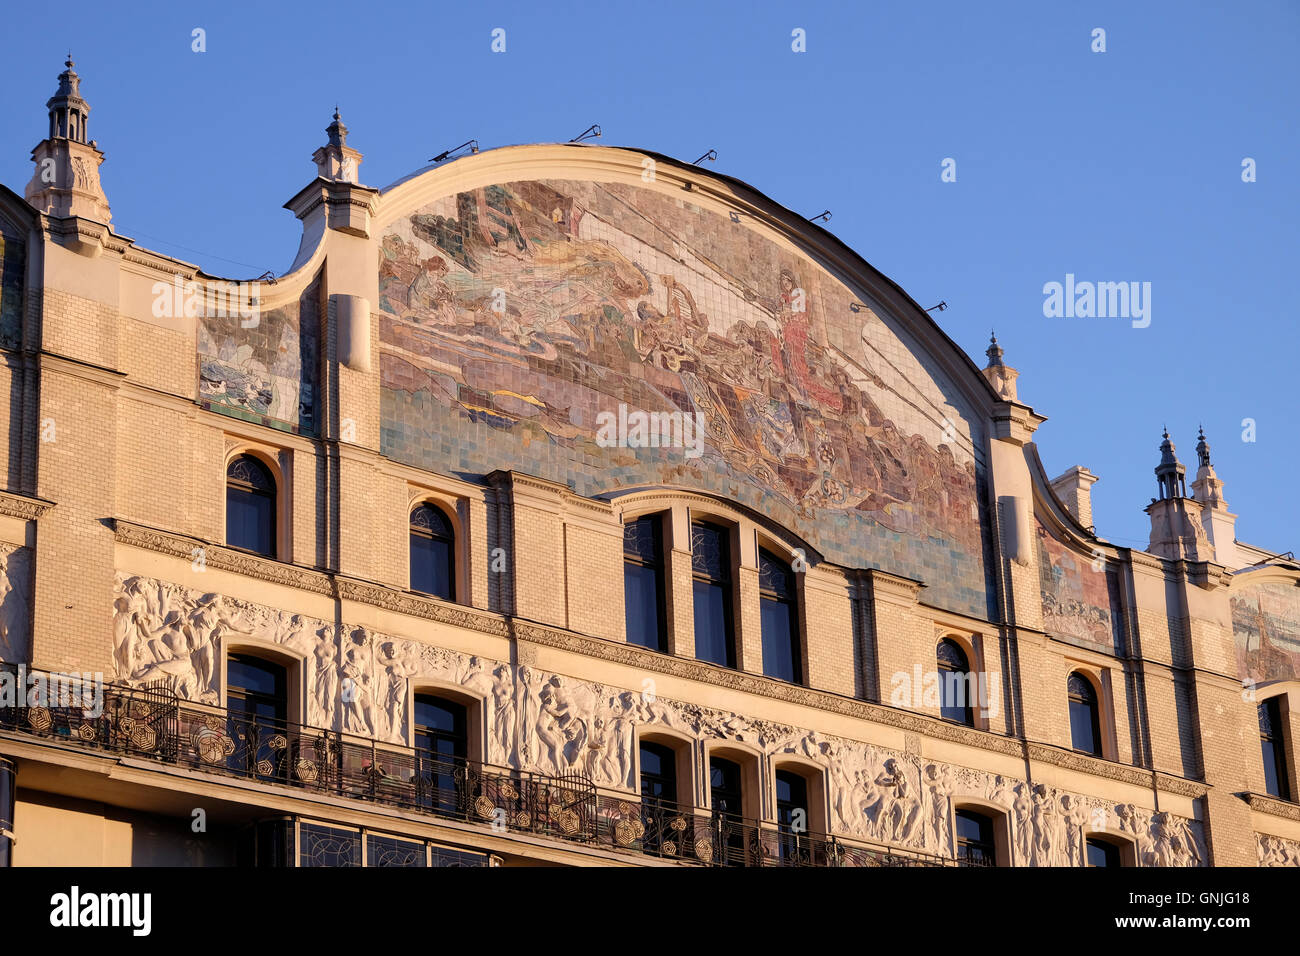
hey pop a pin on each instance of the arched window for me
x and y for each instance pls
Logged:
(1085, 722)
(711, 568)
(954, 683)
(433, 553)
(256, 716)
(1273, 749)
(727, 797)
(441, 738)
(643, 583)
(658, 796)
(778, 612)
(1103, 853)
(975, 840)
(792, 817)
(250, 506)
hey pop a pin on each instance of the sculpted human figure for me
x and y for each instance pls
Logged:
(402, 662)
(938, 783)
(1022, 807)
(15, 618)
(899, 808)
(358, 705)
(327, 683)
(503, 715)
(1074, 814)
(1047, 827)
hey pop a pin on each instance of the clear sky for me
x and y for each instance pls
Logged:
(1117, 166)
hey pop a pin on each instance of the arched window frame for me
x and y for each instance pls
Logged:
(450, 513)
(1098, 676)
(1127, 848)
(797, 563)
(277, 462)
(1079, 675)
(1001, 820)
(974, 668)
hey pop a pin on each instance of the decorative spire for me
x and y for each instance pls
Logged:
(336, 160)
(338, 133)
(1202, 448)
(66, 183)
(1000, 375)
(994, 351)
(1170, 473)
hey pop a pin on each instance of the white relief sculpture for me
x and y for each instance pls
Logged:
(1275, 851)
(938, 784)
(358, 681)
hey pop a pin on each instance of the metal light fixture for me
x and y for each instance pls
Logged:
(473, 148)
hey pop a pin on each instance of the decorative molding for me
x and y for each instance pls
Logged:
(224, 559)
(21, 506)
(416, 605)
(1272, 806)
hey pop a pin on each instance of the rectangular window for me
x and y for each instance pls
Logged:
(711, 567)
(779, 619)
(643, 583)
(1273, 749)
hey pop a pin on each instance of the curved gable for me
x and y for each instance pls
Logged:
(609, 330)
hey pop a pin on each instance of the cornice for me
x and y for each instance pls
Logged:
(1123, 773)
(1272, 806)
(21, 506)
(222, 558)
(415, 605)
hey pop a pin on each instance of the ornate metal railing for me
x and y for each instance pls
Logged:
(151, 723)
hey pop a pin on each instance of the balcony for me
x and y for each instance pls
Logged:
(155, 725)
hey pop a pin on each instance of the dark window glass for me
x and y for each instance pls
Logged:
(658, 796)
(1273, 749)
(441, 748)
(658, 773)
(779, 618)
(711, 566)
(433, 553)
(328, 846)
(1085, 724)
(389, 851)
(256, 711)
(975, 845)
(250, 506)
(727, 795)
(1101, 853)
(643, 583)
(792, 815)
(954, 683)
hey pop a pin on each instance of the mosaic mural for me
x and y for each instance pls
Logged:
(517, 317)
(1080, 599)
(1266, 626)
(267, 371)
(13, 264)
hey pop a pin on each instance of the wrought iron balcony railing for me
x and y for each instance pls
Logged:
(154, 724)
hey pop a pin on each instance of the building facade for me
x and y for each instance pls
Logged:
(572, 505)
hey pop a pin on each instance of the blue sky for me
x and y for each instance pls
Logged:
(1115, 166)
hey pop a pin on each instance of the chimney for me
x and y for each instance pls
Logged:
(1074, 488)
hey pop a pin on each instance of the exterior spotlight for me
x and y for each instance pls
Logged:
(711, 155)
(941, 306)
(856, 306)
(824, 216)
(591, 132)
(473, 148)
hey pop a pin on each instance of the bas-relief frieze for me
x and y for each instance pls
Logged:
(358, 681)
(1276, 851)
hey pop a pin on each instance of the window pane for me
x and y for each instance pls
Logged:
(780, 643)
(431, 566)
(713, 624)
(250, 521)
(392, 851)
(328, 846)
(1101, 853)
(1082, 716)
(641, 592)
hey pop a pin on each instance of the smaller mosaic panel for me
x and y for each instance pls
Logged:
(1266, 627)
(1081, 603)
(268, 373)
